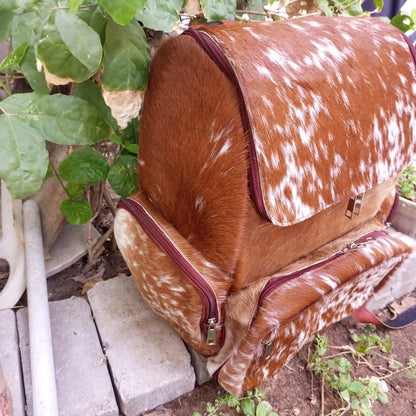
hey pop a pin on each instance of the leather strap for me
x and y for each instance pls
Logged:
(363, 315)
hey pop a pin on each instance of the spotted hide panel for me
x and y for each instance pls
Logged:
(269, 155)
(291, 308)
(331, 103)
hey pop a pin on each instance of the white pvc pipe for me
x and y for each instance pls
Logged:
(42, 367)
(12, 248)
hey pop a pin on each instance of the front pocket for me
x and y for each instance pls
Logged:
(175, 280)
(293, 307)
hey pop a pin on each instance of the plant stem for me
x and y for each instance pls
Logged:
(55, 172)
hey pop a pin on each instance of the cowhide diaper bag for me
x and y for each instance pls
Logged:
(268, 160)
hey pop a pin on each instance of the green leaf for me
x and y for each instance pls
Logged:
(23, 30)
(132, 147)
(324, 6)
(122, 175)
(15, 6)
(76, 212)
(402, 22)
(7, 5)
(91, 92)
(74, 5)
(344, 365)
(355, 404)
(84, 166)
(349, 7)
(57, 56)
(93, 17)
(61, 119)
(263, 408)
(126, 57)
(82, 41)
(23, 157)
(35, 78)
(122, 11)
(356, 387)
(248, 407)
(10, 5)
(160, 14)
(379, 4)
(345, 394)
(5, 25)
(216, 10)
(131, 133)
(75, 190)
(12, 62)
(383, 397)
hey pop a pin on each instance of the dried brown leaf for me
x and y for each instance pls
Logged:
(51, 78)
(125, 105)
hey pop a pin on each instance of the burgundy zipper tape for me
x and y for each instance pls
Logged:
(393, 211)
(160, 238)
(213, 50)
(411, 47)
(278, 281)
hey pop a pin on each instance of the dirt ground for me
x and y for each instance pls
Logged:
(293, 391)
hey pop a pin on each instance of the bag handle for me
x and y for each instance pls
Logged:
(404, 319)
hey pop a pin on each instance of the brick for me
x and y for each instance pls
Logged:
(10, 360)
(149, 362)
(83, 382)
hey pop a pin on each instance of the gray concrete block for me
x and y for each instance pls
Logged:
(83, 382)
(149, 362)
(10, 360)
(400, 283)
(199, 363)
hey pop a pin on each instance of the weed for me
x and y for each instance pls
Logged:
(253, 404)
(368, 342)
(335, 371)
(356, 394)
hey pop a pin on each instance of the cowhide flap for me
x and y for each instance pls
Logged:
(331, 103)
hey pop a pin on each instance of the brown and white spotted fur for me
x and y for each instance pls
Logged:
(331, 104)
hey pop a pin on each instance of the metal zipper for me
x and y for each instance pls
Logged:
(277, 281)
(204, 289)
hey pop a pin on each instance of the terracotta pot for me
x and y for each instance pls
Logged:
(405, 220)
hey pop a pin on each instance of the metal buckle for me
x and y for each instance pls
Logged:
(354, 206)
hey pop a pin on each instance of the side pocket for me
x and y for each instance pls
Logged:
(292, 308)
(175, 280)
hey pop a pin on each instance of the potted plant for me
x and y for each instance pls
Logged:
(405, 220)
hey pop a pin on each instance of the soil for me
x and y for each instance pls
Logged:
(293, 391)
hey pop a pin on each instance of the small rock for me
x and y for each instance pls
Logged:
(296, 411)
(313, 399)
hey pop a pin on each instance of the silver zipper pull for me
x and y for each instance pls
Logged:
(354, 245)
(212, 332)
